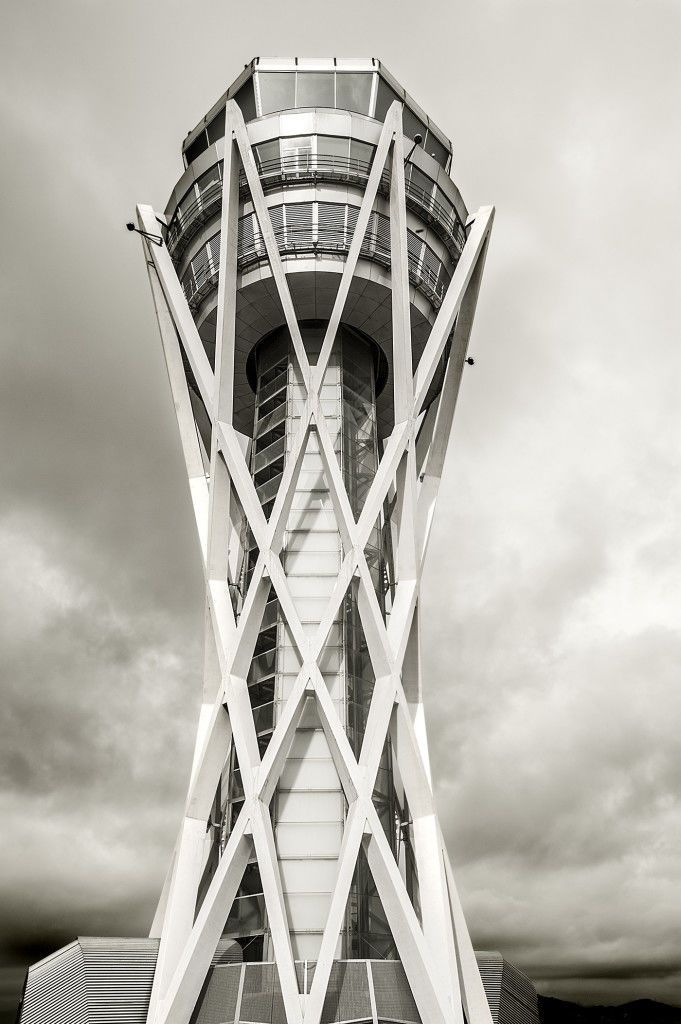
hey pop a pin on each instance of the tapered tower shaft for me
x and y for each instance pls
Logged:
(315, 287)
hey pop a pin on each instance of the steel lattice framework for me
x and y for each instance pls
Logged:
(437, 955)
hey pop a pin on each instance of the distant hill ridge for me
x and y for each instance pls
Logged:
(642, 1011)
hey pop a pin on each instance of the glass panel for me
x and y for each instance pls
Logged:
(267, 154)
(277, 91)
(361, 154)
(384, 97)
(269, 490)
(245, 100)
(315, 89)
(273, 386)
(331, 145)
(212, 176)
(264, 458)
(263, 664)
(353, 92)
(188, 204)
(197, 147)
(263, 718)
(296, 152)
(261, 692)
(210, 186)
(420, 186)
(272, 419)
(435, 148)
(246, 915)
(412, 126)
(296, 144)
(216, 128)
(264, 441)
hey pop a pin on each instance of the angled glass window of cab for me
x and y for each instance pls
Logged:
(435, 148)
(413, 126)
(315, 89)
(216, 128)
(353, 92)
(285, 90)
(277, 91)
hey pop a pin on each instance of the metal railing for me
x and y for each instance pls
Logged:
(188, 220)
(309, 168)
(428, 275)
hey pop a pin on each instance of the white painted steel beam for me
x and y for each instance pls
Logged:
(451, 303)
(436, 954)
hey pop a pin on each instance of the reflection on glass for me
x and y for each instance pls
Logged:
(296, 152)
(332, 146)
(210, 180)
(245, 99)
(315, 89)
(361, 154)
(277, 90)
(384, 98)
(353, 92)
(266, 153)
(420, 184)
(435, 149)
(197, 147)
(216, 128)
(413, 126)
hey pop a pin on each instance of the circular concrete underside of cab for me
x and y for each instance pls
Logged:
(313, 283)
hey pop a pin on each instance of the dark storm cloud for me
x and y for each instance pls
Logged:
(551, 634)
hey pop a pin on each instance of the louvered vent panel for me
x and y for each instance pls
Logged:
(118, 978)
(332, 233)
(491, 966)
(55, 989)
(277, 218)
(383, 236)
(214, 249)
(246, 240)
(518, 1004)
(108, 981)
(299, 226)
(200, 262)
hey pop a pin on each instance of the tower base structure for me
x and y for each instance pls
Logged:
(109, 981)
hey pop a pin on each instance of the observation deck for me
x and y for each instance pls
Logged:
(201, 204)
(314, 127)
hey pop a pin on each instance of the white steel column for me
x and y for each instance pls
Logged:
(436, 952)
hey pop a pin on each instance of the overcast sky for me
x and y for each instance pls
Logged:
(553, 594)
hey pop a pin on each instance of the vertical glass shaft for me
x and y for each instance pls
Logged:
(309, 806)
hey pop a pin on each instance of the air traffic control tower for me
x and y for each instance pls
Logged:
(314, 276)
